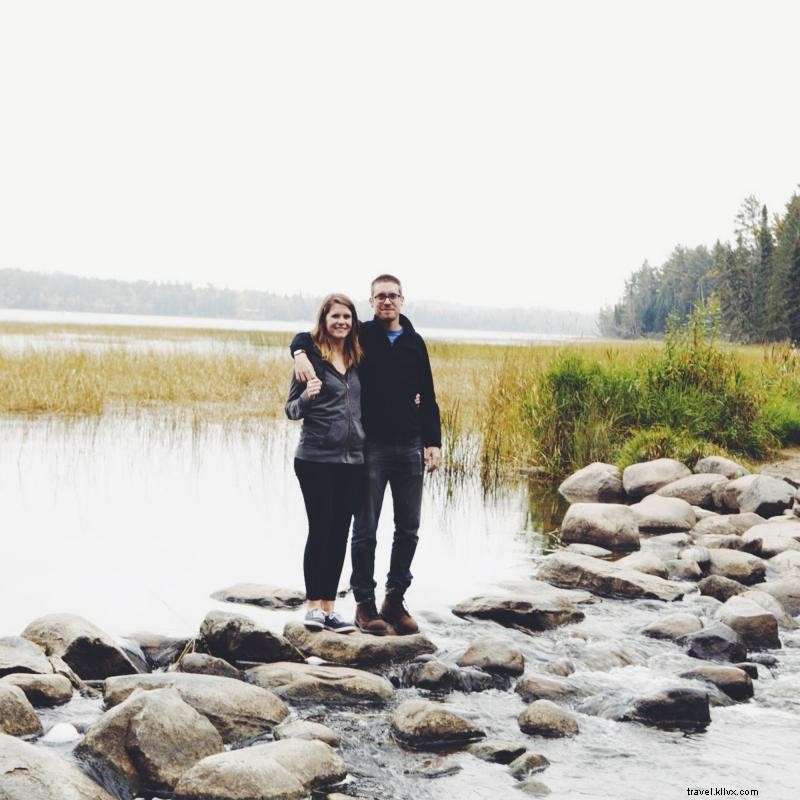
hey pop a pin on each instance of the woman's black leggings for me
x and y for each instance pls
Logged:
(332, 493)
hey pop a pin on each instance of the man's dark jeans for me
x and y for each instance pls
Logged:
(400, 464)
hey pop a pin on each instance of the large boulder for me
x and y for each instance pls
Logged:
(145, 744)
(677, 707)
(545, 718)
(719, 465)
(767, 496)
(260, 594)
(424, 724)
(673, 627)
(88, 650)
(698, 490)
(772, 605)
(757, 628)
(786, 591)
(608, 525)
(727, 497)
(357, 648)
(236, 637)
(20, 655)
(28, 772)
(310, 731)
(647, 477)
(656, 514)
(720, 588)
(737, 566)
(734, 682)
(41, 690)
(17, 717)
(320, 683)
(595, 483)
(493, 654)
(776, 537)
(236, 709)
(284, 770)
(574, 571)
(203, 664)
(717, 642)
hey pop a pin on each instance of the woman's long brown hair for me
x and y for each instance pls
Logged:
(322, 339)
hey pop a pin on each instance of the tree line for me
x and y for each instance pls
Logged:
(752, 283)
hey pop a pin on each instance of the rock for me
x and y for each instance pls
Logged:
(28, 772)
(786, 563)
(320, 684)
(588, 550)
(673, 627)
(539, 687)
(528, 764)
(698, 490)
(657, 514)
(564, 667)
(61, 733)
(259, 594)
(20, 655)
(717, 642)
(496, 751)
(704, 513)
(772, 605)
(534, 788)
(145, 744)
(733, 542)
(743, 522)
(648, 563)
(720, 466)
(749, 667)
(607, 525)
(160, 651)
(357, 648)
(677, 707)
(236, 637)
(493, 654)
(17, 717)
(742, 567)
(766, 496)
(645, 478)
(285, 770)
(545, 718)
(573, 571)
(41, 690)
(202, 664)
(757, 628)
(776, 537)
(678, 570)
(436, 676)
(595, 483)
(309, 731)
(698, 555)
(734, 682)
(89, 651)
(236, 709)
(766, 660)
(714, 526)
(421, 723)
(720, 588)
(786, 591)
(727, 497)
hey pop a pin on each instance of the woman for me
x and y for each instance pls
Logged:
(329, 460)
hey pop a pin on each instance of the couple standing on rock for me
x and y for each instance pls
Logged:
(377, 373)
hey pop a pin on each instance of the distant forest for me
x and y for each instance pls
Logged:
(753, 283)
(61, 292)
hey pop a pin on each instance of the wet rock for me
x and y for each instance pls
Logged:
(771, 605)
(202, 664)
(648, 563)
(655, 514)
(17, 717)
(766, 496)
(588, 550)
(145, 744)
(41, 690)
(563, 667)
(285, 770)
(545, 718)
(236, 709)
(321, 684)
(436, 676)
(357, 648)
(493, 654)
(260, 594)
(720, 588)
(528, 763)
(28, 772)
(647, 477)
(727, 497)
(757, 628)
(765, 659)
(595, 483)
(236, 637)
(720, 466)
(539, 687)
(160, 651)
(786, 591)
(786, 563)
(697, 490)
(717, 642)
(734, 682)
(20, 655)
(432, 768)
(673, 627)
(672, 708)
(534, 788)
(737, 566)
(573, 571)
(421, 723)
(91, 652)
(750, 667)
(776, 537)
(496, 751)
(309, 731)
(679, 570)
(609, 525)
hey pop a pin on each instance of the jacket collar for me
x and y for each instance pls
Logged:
(405, 323)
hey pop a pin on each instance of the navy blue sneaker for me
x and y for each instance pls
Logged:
(336, 623)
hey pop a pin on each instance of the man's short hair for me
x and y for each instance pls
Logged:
(386, 278)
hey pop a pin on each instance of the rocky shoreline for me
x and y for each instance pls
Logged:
(238, 711)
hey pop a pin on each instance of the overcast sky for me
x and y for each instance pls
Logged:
(495, 153)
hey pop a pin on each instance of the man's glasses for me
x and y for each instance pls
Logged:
(391, 297)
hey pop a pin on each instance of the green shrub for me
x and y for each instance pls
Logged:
(782, 418)
(665, 442)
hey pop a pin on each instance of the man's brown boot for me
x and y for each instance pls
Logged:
(394, 611)
(369, 620)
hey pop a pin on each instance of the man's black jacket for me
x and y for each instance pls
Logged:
(391, 377)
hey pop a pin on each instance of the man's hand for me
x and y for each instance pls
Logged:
(314, 387)
(303, 371)
(433, 458)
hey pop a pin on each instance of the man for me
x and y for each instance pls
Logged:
(401, 420)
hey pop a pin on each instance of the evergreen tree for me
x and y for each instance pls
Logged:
(787, 263)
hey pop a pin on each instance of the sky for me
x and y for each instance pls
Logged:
(489, 153)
